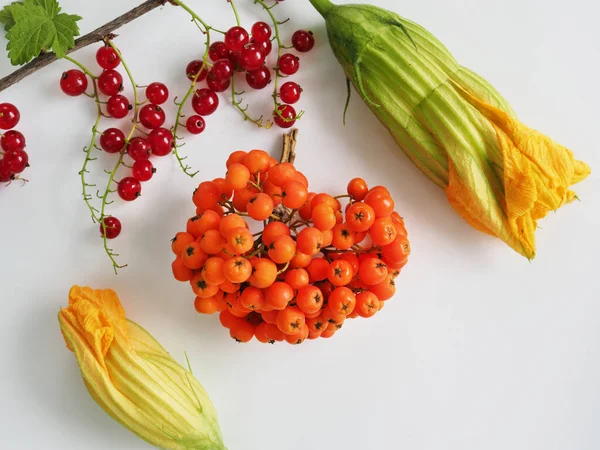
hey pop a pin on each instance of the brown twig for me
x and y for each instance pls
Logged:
(289, 146)
(95, 36)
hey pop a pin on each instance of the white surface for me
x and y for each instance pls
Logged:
(479, 349)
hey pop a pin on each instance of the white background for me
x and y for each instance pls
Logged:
(480, 349)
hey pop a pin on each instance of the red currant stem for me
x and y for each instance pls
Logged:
(343, 196)
(207, 28)
(136, 102)
(195, 16)
(280, 47)
(235, 13)
(88, 150)
(105, 202)
(238, 104)
(287, 264)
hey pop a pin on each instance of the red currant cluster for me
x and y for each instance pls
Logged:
(147, 137)
(13, 157)
(308, 269)
(244, 52)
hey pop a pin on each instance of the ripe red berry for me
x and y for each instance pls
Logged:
(205, 102)
(16, 161)
(107, 57)
(258, 79)
(110, 82)
(73, 82)
(6, 174)
(112, 140)
(303, 40)
(261, 32)
(113, 227)
(218, 50)
(139, 149)
(12, 140)
(289, 64)
(193, 68)
(290, 92)
(265, 47)
(217, 85)
(143, 170)
(161, 141)
(9, 116)
(118, 106)
(129, 189)
(157, 93)
(221, 69)
(236, 38)
(285, 117)
(152, 116)
(251, 57)
(195, 124)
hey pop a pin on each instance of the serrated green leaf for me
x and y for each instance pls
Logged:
(6, 16)
(50, 6)
(39, 26)
(66, 30)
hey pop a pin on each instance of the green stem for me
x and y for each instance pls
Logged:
(278, 75)
(194, 15)
(237, 17)
(135, 92)
(323, 6)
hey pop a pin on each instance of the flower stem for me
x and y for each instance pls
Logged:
(323, 6)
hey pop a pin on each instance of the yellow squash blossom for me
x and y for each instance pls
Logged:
(133, 378)
(498, 174)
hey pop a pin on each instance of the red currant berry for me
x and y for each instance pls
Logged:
(193, 68)
(118, 106)
(112, 226)
(259, 79)
(303, 40)
(17, 161)
(6, 174)
(290, 92)
(221, 70)
(139, 149)
(265, 47)
(110, 82)
(195, 124)
(217, 85)
(234, 59)
(129, 189)
(9, 116)
(112, 140)
(236, 38)
(161, 141)
(152, 116)
(12, 140)
(143, 170)
(289, 64)
(107, 57)
(205, 102)
(157, 93)
(252, 57)
(285, 116)
(261, 32)
(73, 82)
(218, 50)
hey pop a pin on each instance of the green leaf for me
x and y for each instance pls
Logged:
(6, 16)
(66, 30)
(40, 26)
